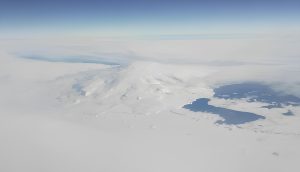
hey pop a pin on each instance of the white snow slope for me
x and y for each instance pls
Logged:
(79, 117)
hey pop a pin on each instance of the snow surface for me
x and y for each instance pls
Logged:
(61, 116)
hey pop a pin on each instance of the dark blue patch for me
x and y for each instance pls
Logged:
(288, 113)
(231, 117)
(75, 59)
(253, 91)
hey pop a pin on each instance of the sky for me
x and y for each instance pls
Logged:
(148, 17)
